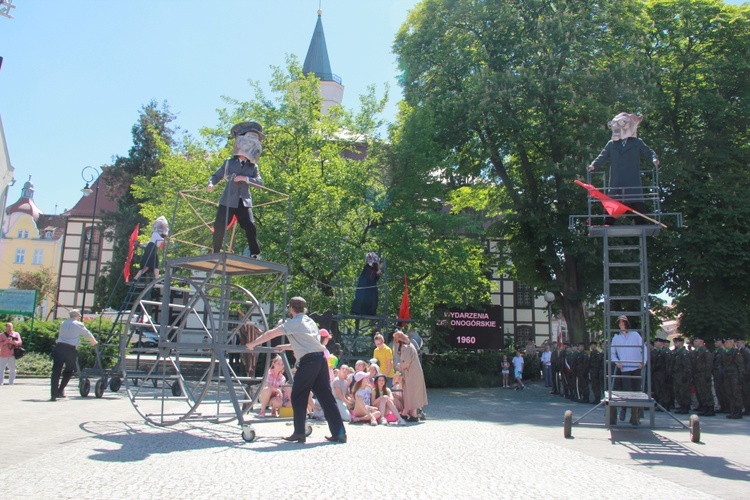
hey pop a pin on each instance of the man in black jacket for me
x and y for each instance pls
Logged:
(240, 172)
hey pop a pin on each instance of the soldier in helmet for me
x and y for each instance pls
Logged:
(733, 375)
(681, 371)
(746, 379)
(719, 376)
(659, 373)
(702, 362)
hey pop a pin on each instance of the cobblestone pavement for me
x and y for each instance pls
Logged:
(476, 443)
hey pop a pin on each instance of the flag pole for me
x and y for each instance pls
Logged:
(648, 218)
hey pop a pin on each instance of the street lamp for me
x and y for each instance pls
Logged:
(549, 298)
(90, 175)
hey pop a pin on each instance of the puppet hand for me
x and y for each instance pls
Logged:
(656, 161)
(210, 187)
(590, 168)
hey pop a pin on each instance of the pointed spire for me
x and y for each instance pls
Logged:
(317, 60)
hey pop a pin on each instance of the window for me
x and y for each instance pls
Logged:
(38, 257)
(20, 234)
(26, 235)
(524, 296)
(89, 259)
(20, 256)
(524, 333)
(48, 235)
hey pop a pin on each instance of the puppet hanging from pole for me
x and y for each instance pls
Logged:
(624, 152)
(366, 297)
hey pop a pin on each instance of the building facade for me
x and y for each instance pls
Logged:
(84, 249)
(29, 241)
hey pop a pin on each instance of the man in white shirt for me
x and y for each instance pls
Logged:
(627, 354)
(65, 352)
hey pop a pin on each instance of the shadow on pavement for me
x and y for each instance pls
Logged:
(650, 449)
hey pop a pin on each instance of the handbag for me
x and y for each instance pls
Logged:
(19, 352)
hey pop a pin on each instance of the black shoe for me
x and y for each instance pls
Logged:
(411, 419)
(61, 394)
(622, 414)
(296, 438)
(336, 439)
(709, 413)
(734, 416)
(554, 392)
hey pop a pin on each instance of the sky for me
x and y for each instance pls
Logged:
(76, 73)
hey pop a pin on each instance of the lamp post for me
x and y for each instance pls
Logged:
(90, 175)
(549, 298)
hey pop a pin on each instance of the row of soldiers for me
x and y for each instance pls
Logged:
(727, 369)
(579, 375)
(576, 373)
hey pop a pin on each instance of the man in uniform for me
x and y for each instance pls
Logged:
(659, 374)
(681, 371)
(719, 376)
(567, 373)
(702, 363)
(596, 371)
(733, 375)
(746, 379)
(581, 369)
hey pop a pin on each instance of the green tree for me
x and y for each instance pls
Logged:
(151, 132)
(336, 171)
(516, 94)
(702, 116)
(44, 281)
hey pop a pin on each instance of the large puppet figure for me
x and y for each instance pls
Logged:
(150, 257)
(624, 152)
(240, 171)
(366, 297)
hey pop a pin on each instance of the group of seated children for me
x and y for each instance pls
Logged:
(362, 393)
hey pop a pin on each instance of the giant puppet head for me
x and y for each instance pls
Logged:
(624, 125)
(247, 137)
(160, 226)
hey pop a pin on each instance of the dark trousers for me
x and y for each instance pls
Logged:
(62, 355)
(555, 382)
(547, 372)
(224, 214)
(312, 375)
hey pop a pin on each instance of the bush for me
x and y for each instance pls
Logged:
(44, 335)
(34, 364)
(463, 369)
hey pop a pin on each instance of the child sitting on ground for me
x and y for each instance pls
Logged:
(272, 394)
(383, 399)
(363, 411)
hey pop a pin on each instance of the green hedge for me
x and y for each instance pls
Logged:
(44, 335)
(472, 368)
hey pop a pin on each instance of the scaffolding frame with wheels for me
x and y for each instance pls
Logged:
(202, 319)
(625, 261)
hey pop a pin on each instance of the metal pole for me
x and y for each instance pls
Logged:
(87, 192)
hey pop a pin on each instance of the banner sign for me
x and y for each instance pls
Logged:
(20, 302)
(471, 328)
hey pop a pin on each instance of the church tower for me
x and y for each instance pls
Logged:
(317, 62)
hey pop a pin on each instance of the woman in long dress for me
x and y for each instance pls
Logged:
(414, 389)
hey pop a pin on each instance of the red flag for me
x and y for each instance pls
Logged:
(131, 249)
(613, 207)
(403, 311)
(231, 223)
